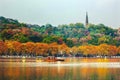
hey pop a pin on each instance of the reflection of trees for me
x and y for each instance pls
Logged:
(58, 73)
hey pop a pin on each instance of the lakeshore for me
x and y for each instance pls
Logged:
(66, 59)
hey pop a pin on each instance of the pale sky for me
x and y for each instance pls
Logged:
(58, 12)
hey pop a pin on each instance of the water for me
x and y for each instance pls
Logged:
(70, 69)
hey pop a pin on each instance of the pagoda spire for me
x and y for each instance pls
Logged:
(86, 22)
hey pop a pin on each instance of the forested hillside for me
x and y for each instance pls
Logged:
(81, 35)
(13, 30)
(73, 34)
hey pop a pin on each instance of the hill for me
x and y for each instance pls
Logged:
(80, 35)
(11, 29)
(73, 34)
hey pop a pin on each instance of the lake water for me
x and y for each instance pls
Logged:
(70, 69)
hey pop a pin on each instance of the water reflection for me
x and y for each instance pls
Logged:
(24, 72)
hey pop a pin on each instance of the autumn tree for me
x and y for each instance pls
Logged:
(10, 47)
(30, 47)
(74, 50)
(118, 50)
(112, 50)
(16, 47)
(3, 48)
(62, 48)
(53, 48)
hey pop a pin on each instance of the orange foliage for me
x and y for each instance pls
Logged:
(100, 50)
(3, 48)
(53, 47)
(16, 47)
(31, 48)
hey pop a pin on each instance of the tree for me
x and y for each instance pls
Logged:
(104, 39)
(112, 50)
(38, 48)
(30, 47)
(21, 38)
(35, 38)
(62, 48)
(103, 49)
(74, 50)
(41, 49)
(53, 48)
(118, 49)
(10, 47)
(3, 48)
(16, 47)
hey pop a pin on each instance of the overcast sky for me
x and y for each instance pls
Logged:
(58, 12)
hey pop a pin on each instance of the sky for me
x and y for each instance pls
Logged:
(57, 12)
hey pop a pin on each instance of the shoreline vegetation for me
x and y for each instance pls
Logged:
(15, 48)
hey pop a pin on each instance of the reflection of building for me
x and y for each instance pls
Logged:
(86, 22)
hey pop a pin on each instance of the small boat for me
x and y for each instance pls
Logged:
(50, 59)
(60, 59)
(53, 59)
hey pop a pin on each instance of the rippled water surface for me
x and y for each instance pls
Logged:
(70, 69)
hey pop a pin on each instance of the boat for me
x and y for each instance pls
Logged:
(50, 59)
(53, 59)
(60, 59)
